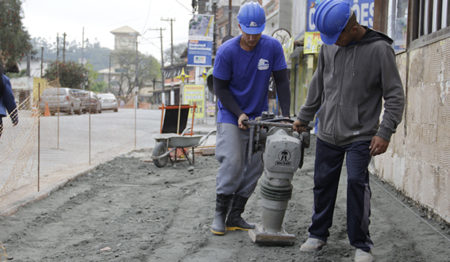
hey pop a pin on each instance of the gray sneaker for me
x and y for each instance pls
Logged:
(363, 256)
(312, 244)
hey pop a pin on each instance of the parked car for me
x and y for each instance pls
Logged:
(63, 98)
(89, 101)
(109, 102)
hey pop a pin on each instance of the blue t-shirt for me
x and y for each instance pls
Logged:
(249, 73)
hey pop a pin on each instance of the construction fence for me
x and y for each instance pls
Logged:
(43, 151)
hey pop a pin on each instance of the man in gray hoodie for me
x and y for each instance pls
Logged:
(356, 71)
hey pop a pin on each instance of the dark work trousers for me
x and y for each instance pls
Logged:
(327, 170)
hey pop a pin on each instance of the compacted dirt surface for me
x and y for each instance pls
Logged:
(129, 210)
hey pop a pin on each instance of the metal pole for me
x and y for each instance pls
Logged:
(171, 37)
(57, 110)
(89, 128)
(57, 48)
(214, 52)
(57, 92)
(42, 59)
(109, 74)
(171, 41)
(179, 108)
(230, 5)
(82, 48)
(64, 47)
(162, 61)
(39, 137)
(136, 81)
(214, 7)
(135, 118)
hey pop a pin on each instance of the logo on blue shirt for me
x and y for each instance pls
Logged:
(263, 64)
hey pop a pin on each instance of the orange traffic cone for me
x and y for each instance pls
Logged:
(47, 111)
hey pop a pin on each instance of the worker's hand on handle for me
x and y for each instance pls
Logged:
(300, 127)
(378, 146)
(241, 119)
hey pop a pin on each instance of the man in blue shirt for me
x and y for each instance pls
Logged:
(242, 69)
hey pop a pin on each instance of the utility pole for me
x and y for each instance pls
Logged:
(64, 48)
(57, 47)
(109, 74)
(42, 59)
(230, 6)
(82, 47)
(136, 82)
(83, 86)
(171, 36)
(214, 9)
(162, 61)
(57, 57)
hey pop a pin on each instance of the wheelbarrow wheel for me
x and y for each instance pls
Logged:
(159, 149)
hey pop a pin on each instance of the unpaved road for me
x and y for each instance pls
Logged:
(129, 210)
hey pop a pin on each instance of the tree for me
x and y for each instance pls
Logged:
(125, 78)
(70, 74)
(99, 87)
(93, 83)
(178, 50)
(14, 39)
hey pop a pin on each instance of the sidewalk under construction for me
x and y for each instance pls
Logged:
(128, 209)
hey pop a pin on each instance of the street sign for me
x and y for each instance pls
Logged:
(199, 53)
(200, 40)
(195, 94)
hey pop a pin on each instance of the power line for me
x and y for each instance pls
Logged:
(184, 6)
(148, 15)
(171, 20)
(162, 54)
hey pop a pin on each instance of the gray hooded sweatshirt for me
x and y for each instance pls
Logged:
(347, 90)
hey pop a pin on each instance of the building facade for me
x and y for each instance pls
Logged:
(418, 160)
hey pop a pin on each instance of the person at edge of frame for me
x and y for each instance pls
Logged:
(7, 101)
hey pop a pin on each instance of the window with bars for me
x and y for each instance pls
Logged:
(429, 16)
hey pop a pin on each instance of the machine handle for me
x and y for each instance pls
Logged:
(251, 123)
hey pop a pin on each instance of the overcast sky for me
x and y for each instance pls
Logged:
(46, 18)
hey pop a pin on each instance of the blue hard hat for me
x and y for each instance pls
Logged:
(330, 18)
(251, 18)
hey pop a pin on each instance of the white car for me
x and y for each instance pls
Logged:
(108, 102)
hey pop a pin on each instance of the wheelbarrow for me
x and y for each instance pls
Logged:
(166, 144)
